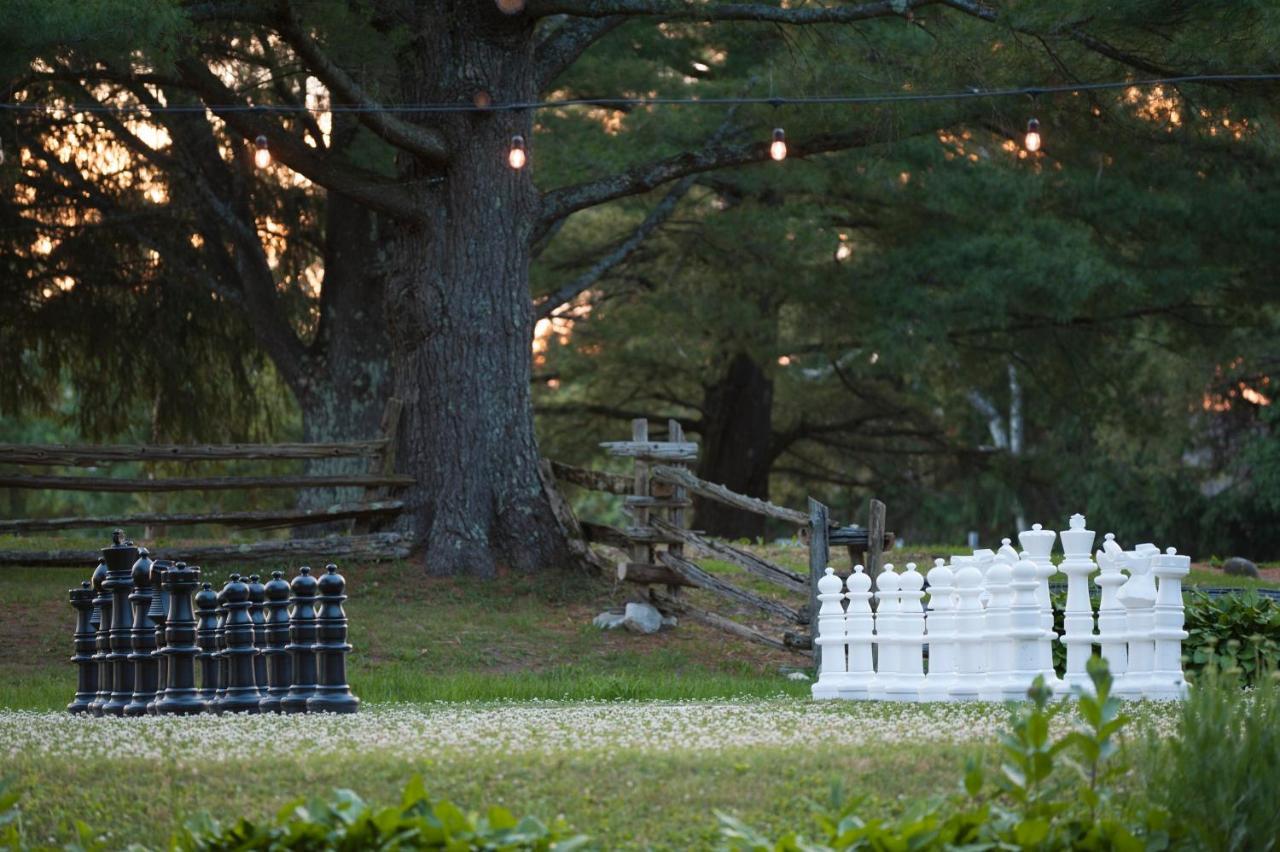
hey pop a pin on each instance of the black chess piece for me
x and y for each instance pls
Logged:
(221, 641)
(257, 614)
(142, 639)
(120, 557)
(333, 694)
(180, 695)
(85, 635)
(207, 639)
(101, 620)
(242, 689)
(159, 611)
(279, 666)
(302, 642)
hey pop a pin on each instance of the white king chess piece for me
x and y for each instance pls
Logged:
(1112, 624)
(831, 638)
(1167, 680)
(860, 680)
(1138, 596)
(1038, 543)
(1078, 620)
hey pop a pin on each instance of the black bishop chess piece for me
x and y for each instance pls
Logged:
(142, 638)
(180, 695)
(257, 614)
(120, 557)
(158, 611)
(101, 620)
(207, 639)
(333, 694)
(84, 643)
(279, 666)
(242, 689)
(302, 642)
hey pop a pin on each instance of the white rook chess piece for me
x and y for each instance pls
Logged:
(831, 638)
(1078, 619)
(1038, 543)
(997, 625)
(1111, 616)
(910, 638)
(859, 681)
(1138, 596)
(887, 607)
(942, 634)
(1026, 630)
(969, 635)
(1167, 679)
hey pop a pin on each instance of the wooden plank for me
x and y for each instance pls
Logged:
(711, 619)
(697, 577)
(592, 480)
(856, 539)
(874, 563)
(87, 455)
(819, 557)
(658, 502)
(253, 520)
(217, 483)
(605, 534)
(645, 537)
(376, 546)
(719, 493)
(384, 461)
(747, 561)
(568, 521)
(643, 448)
(646, 574)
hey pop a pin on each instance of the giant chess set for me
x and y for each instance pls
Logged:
(987, 631)
(141, 648)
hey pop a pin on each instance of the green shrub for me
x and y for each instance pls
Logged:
(1238, 633)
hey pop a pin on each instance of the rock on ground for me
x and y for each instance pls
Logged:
(1238, 566)
(642, 618)
(608, 620)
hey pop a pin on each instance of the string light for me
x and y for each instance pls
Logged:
(778, 149)
(517, 156)
(261, 156)
(1032, 140)
(1, 152)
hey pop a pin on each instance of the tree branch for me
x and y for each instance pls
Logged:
(693, 10)
(562, 46)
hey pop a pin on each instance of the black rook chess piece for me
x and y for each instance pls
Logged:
(333, 695)
(142, 638)
(180, 697)
(279, 668)
(86, 665)
(207, 638)
(101, 620)
(120, 557)
(158, 611)
(257, 614)
(242, 689)
(302, 642)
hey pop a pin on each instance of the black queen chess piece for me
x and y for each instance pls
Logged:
(180, 695)
(142, 638)
(302, 642)
(275, 651)
(333, 694)
(120, 557)
(84, 645)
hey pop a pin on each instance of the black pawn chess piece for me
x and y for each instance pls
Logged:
(120, 557)
(279, 668)
(257, 614)
(158, 612)
(180, 696)
(302, 642)
(333, 694)
(101, 619)
(242, 689)
(221, 642)
(142, 638)
(207, 639)
(84, 645)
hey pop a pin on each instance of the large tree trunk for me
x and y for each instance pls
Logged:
(460, 314)
(738, 429)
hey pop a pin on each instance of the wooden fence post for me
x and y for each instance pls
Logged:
(641, 552)
(874, 556)
(676, 513)
(819, 556)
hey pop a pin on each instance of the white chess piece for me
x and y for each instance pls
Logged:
(997, 625)
(1078, 633)
(969, 634)
(1038, 542)
(859, 681)
(886, 631)
(910, 633)
(1111, 616)
(831, 636)
(1138, 596)
(983, 558)
(1026, 630)
(942, 634)
(1167, 678)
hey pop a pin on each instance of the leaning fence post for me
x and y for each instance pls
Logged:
(819, 555)
(874, 557)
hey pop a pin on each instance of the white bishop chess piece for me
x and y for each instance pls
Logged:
(831, 636)
(1038, 543)
(1078, 619)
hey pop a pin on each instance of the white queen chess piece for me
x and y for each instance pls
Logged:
(1078, 633)
(831, 636)
(1038, 543)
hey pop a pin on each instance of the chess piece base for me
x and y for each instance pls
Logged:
(339, 701)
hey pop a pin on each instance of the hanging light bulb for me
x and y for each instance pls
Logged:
(1, 152)
(262, 154)
(517, 156)
(778, 149)
(1032, 140)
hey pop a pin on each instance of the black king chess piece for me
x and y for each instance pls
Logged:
(180, 697)
(333, 694)
(158, 612)
(302, 642)
(120, 557)
(142, 638)
(257, 614)
(242, 689)
(279, 666)
(207, 638)
(101, 619)
(86, 665)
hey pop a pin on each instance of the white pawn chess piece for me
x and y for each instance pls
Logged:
(969, 635)
(860, 680)
(910, 634)
(887, 607)
(997, 625)
(1111, 616)
(1077, 621)
(941, 633)
(1167, 678)
(1138, 596)
(831, 636)
(1038, 543)
(1025, 629)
